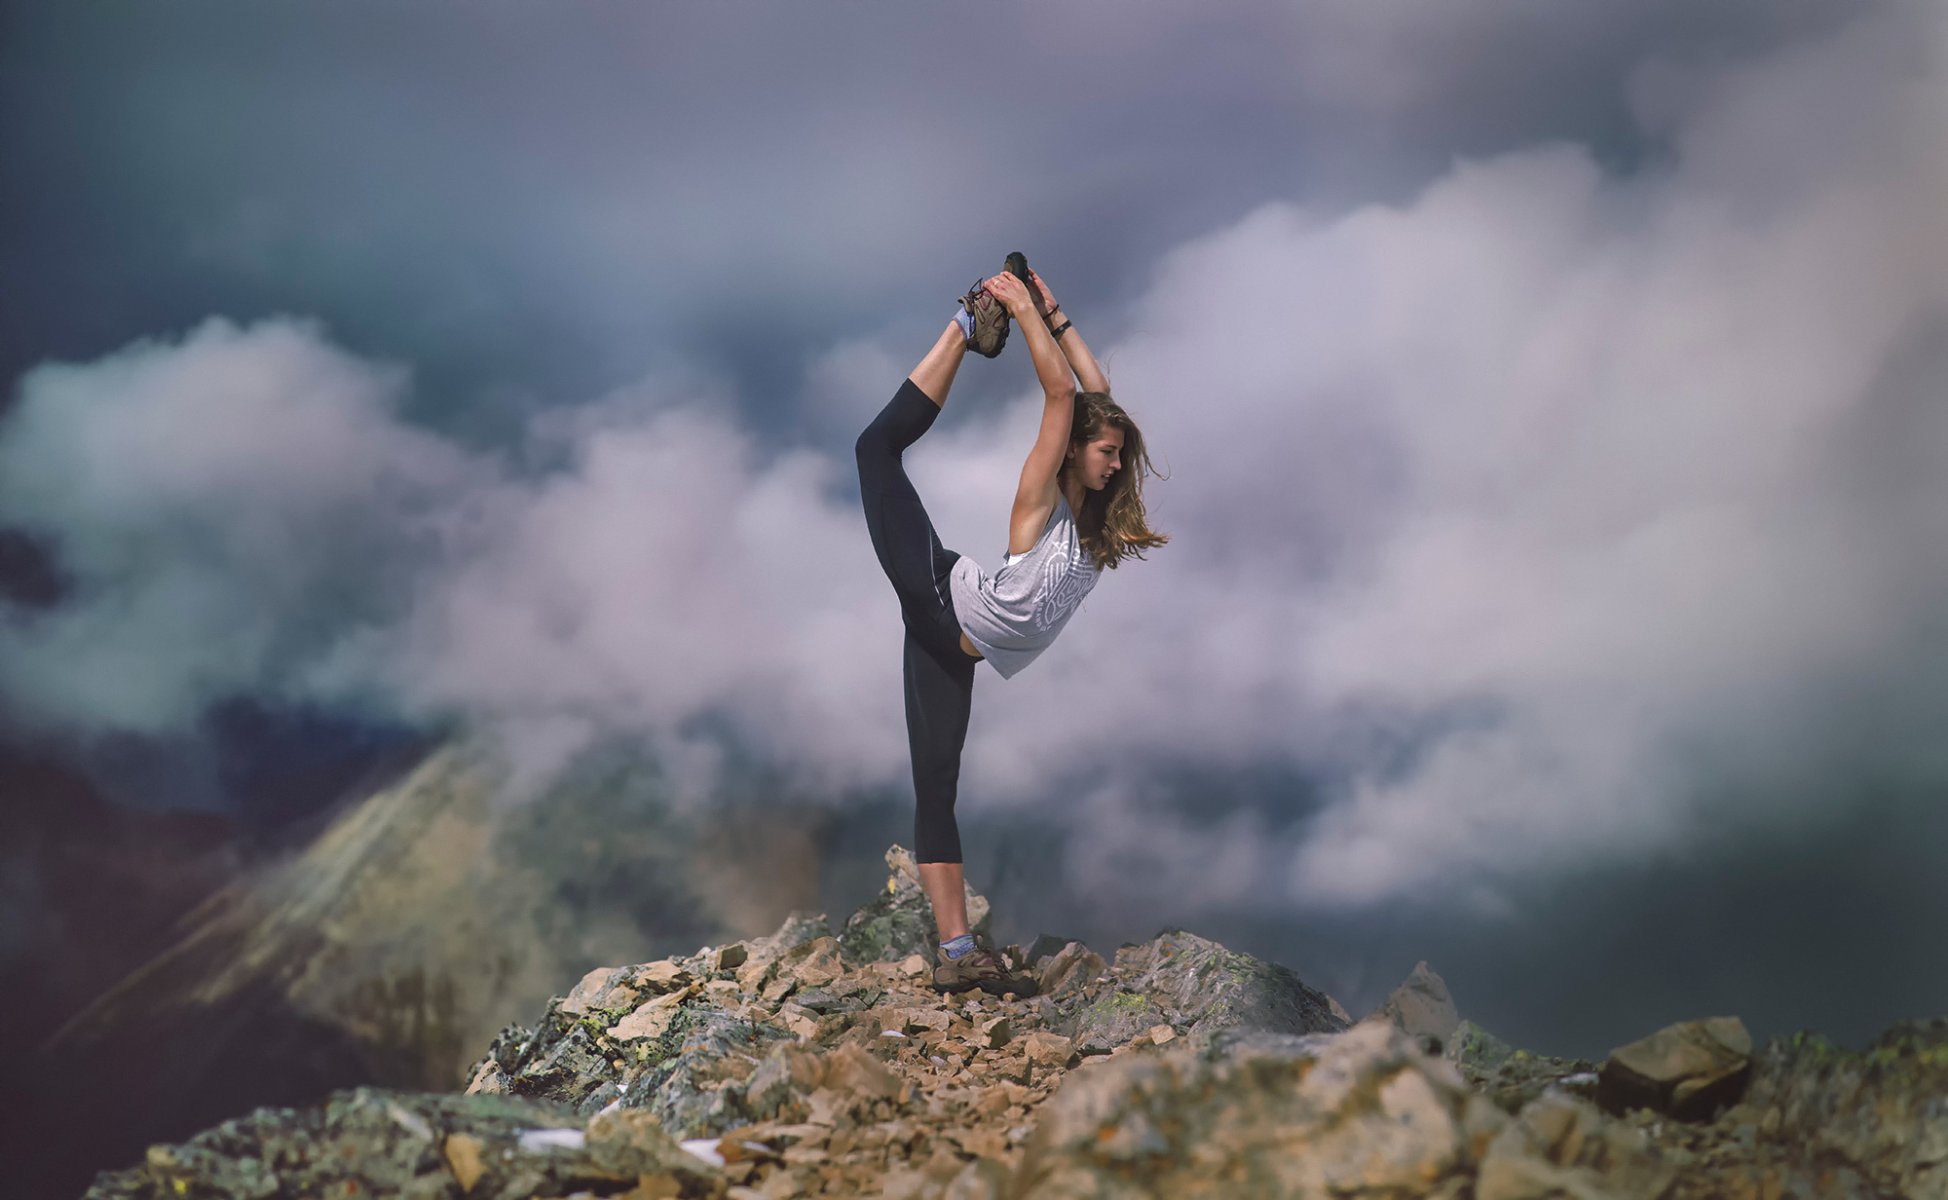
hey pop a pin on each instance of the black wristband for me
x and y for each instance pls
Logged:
(1063, 328)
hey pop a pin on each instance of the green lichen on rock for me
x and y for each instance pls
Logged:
(1113, 1019)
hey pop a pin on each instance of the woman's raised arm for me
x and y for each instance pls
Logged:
(1058, 391)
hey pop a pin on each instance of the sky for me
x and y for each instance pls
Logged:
(1550, 399)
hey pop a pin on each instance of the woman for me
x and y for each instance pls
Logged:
(1076, 512)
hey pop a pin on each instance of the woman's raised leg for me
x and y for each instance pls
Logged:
(935, 374)
(903, 536)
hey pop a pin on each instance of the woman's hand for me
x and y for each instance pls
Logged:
(1050, 303)
(1013, 293)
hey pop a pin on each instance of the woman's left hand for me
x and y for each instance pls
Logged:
(1051, 303)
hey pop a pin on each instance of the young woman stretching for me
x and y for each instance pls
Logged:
(1076, 512)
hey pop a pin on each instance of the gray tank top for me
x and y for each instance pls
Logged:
(1014, 614)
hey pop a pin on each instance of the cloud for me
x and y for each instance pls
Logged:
(1540, 518)
(221, 502)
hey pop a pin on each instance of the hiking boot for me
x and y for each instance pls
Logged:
(980, 968)
(990, 321)
(1018, 267)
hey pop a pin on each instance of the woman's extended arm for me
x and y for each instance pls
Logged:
(1058, 391)
(1083, 363)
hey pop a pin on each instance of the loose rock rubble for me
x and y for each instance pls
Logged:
(820, 1062)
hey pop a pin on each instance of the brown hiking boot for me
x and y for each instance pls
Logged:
(990, 321)
(980, 968)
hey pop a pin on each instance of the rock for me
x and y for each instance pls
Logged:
(662, 976)
(813, 963)
(1687, 1070)
(488, 1080)
(1070, 969)
(858, 1073)
(762, 955)
(651, 1019)
(1246, 1112)
(1563, 1146)
(605, 988)
(899, 921)
(995, 1033)
(1421, 1006)
(1049, 1050)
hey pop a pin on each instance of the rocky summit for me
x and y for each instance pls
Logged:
(819, 1062)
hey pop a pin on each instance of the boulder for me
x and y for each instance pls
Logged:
(1688, 1070)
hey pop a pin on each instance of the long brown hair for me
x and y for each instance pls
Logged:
(1111, 525)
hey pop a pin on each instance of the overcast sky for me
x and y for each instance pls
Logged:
(1551, 398)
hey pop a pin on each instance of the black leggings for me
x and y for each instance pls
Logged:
(939, 675)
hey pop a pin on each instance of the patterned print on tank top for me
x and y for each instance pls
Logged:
(1065, 579)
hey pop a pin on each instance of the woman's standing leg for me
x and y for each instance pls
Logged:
(938, 677)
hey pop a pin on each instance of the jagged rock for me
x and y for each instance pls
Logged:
(1072, 968)
(1364, 1113)
(813, 963)
(1687, 1070)
(899, 921)
(1046, 945)
(370, 1141)
(602, 988)
(759, 969)
(1049, 1050)
(1422, 1007)
(1561, 1147)
(650, 1019)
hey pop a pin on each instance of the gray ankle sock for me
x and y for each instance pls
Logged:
(966, 321)
(956, 947)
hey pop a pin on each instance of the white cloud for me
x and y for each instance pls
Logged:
(1542, 467)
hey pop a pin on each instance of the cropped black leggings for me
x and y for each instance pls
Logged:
(939, 675)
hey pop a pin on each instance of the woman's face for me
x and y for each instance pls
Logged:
(1097, 459)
